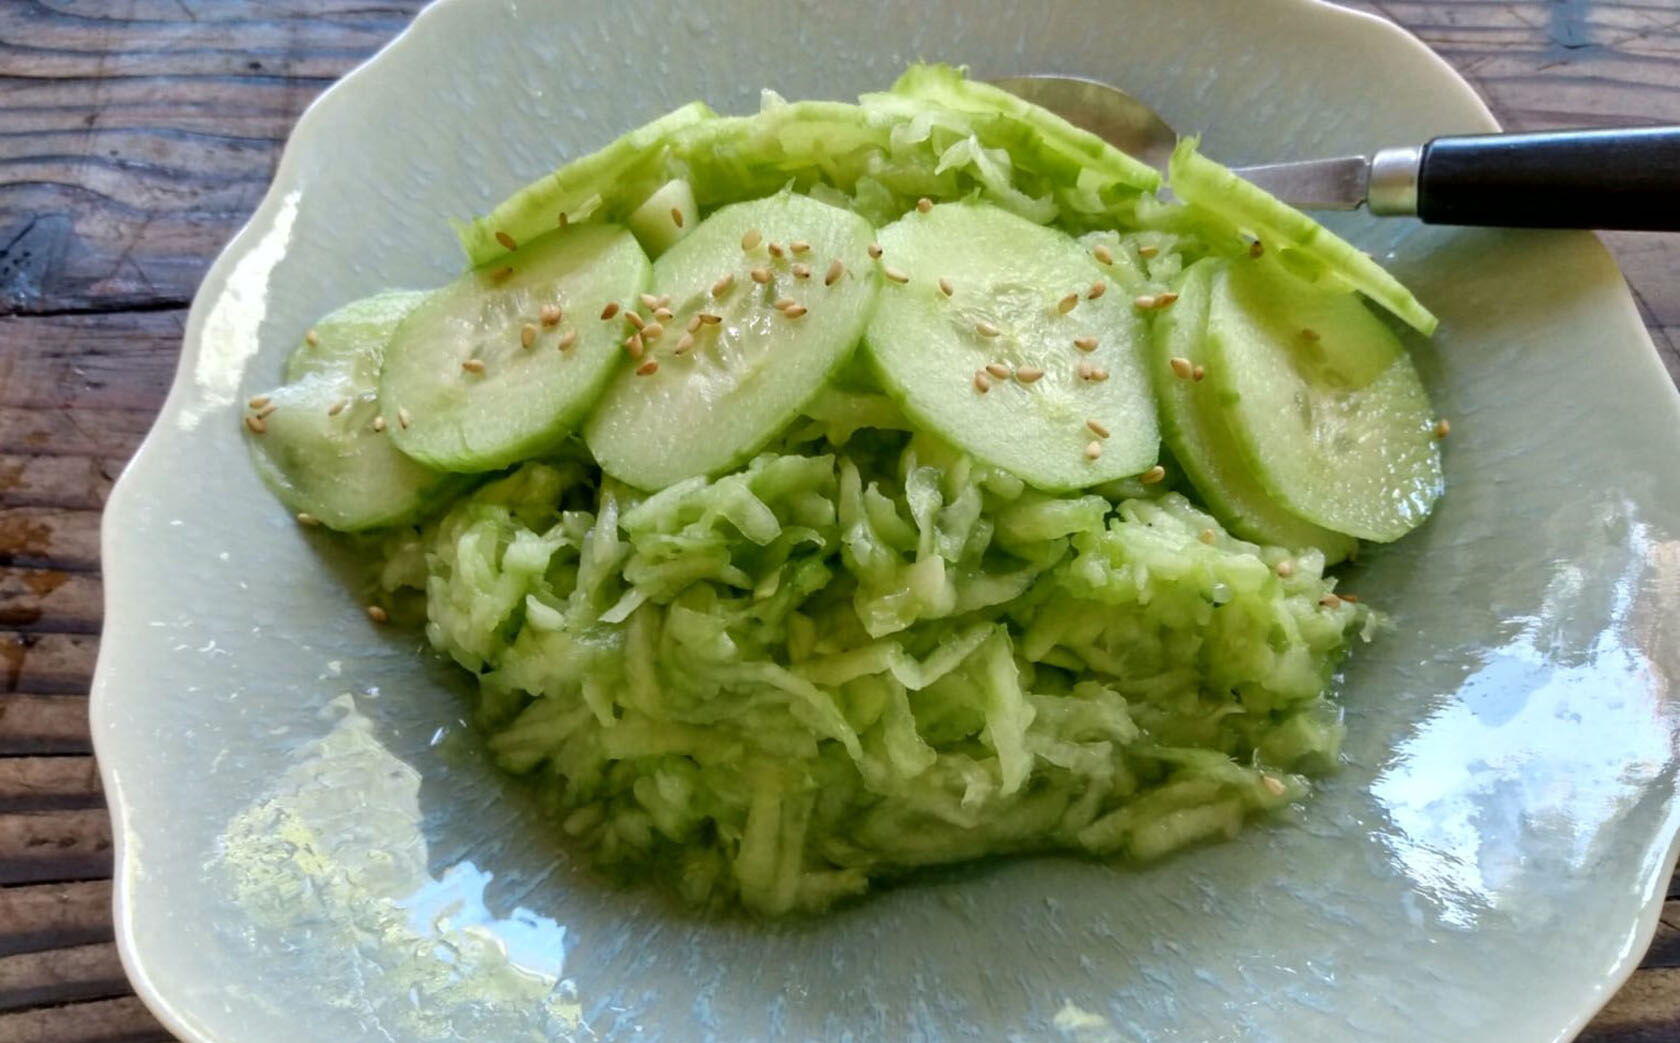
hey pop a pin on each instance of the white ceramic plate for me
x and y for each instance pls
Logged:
(308, 843)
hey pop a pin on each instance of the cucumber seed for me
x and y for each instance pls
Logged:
(835, 271)
(945, 287)
(1103, 254)
(1028, 374)
(722, 286)
(1066, 304)
(1097, 289)
(1085, 343)
(1097, 427)
(760, 275)
(473, 366)
(648, 368)
(1093, 450)
(507, 241)
(751, 239)
(986, 329)
(1181, 367)
(894, 274)
(527, 335)
(610, 310)
(567, 340)
(999, 370)
(1153, 476)
(549, 315)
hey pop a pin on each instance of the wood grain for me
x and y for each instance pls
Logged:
(135, 137)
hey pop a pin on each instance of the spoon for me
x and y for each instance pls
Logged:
(1626, 178)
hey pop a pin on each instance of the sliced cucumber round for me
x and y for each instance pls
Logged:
(1323, 400)
(705, 399)
(486, 370)
(1066, 401)
(1193, 424)
(318, 440)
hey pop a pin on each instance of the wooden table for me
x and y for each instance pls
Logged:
(135, 137)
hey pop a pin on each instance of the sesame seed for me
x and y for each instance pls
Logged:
(263, 413)
(1066, 304)
(676, 216)
(801, 271)
(875, 251)
(722, 286)
(1165, 300)
(257, 424)
(924, 204)
(1181, 367)
(710, 318)
(981, 384)
(508, 242)
(692, 324)
(567, 339)
(684, 342)
(784, 303)
(1093, 450)
(662, 301)
(1146, 252)
(337, 407)
(1207, 535)
(404, 419)
(527, 335)
(986, 329)
(775, 249)
(1028, 374)
(633, 346)
(1285, 569)
(751, 239)
(1103, 254)
(1153, 475)
(1273, 785)
(1442, 428)
(795, 312)
(610, 310)
(1085, 343)
(894, 274)
(799, 246)
(305, 518)
(945, 287)
(760, 275)
(1256, 248)
(501, 274)
(1097, 427)
(648, 368)
(564, 220)
(835, 271)
(635, 319)
(1352, 599)
(652, 332)
(1330, 601)
(377, 614)
(999, 370)
(549, 315)
(1309, 334)
(1090, 372)
(473, 366)
(258, 401)
(1097, 289)
(378, 424)
(311, 338)
(1083, 370)
(649, 301)
(1198, 373)
(1144, 301)
(663, 314)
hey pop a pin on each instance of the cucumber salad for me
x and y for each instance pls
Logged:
(846, 488)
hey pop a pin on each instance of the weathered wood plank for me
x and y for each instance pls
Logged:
(80, 482)
(91, 363)
(50, 600)
(36, 847)
(81, 972)
(124, 1020)
(46, 916)
(49, 784)
(47, 663)
(43, 724)
(52, 537)
(1646, 1010)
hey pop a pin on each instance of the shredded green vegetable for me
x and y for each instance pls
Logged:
(862, 655)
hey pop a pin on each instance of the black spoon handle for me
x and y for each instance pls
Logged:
(1627, 178)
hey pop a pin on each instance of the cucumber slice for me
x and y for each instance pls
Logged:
(709, 403)
(1194, 427)
(483, 378)
(666, 216)
(317, 445)
(1007, 277)
(631, 166)
(1323, 401)
(1284, 230)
